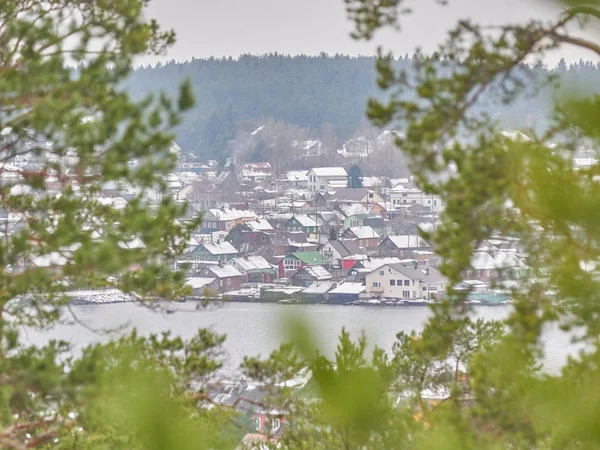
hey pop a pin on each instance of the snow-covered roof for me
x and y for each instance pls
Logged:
(375, 263)
(297, 175)
(199, 282)
(515, 135)
(231, 214)
(51, 259)
(259, 225)
(585, 162)
(329, 171)
(364, 232)
(256, 169)
(319, 287)
(408, 241)
(305, 220)
(249, 263)
(222, 248)
(318, 272)
(349, 288)
(495, 260)
(133, 243)
(224, 271)
(353, 209)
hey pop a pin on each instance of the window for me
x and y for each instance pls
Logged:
(392, 282)
(291, 264)
(370, 195)
(435, 202)
(228, 281)
(275, 424)
(424, 288)
(406, 282)
(399, 282)
(376, 284)
(433, 288)
(381, 272)
(221, 283)
(361, 242)
(257, 423)
(406, 294)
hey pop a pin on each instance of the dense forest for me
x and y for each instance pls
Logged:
(312, 92)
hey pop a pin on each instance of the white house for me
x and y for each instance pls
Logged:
(406, 195)
(320, 177)
(405, 282)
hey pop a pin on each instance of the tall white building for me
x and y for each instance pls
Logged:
(406, 195)
(320, 177)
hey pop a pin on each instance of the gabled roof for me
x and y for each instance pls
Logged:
(319, 287)
(297, 175)
(222, 248)
(227, 214)
(223, 271)
(329, 171)
(250, 263)
(199, 282)
(340, 248)
(319, 273)
(310, 258)
(423, 273)
(349, 288)
(349, 195)
(375, 263)
(364, 232)
(408, 241)
(259, 225)
(495, 260)
(305, 220)
(353, 209)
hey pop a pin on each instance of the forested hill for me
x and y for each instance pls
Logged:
(301, 90)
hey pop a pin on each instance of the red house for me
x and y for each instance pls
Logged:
(297, 260)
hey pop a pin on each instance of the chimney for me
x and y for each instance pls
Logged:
(427, 271)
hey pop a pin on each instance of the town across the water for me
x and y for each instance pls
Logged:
(311, 230)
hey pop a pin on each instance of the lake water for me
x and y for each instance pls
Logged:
(258, 328)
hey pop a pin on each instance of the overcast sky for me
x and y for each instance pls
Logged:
(233, 27)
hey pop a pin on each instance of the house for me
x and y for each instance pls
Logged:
(259, 225)
(320, 177)
(257, 172)
(406, 282)
(402, 246)
(360, 269)
(225, 219)
(308, 149)
(316, 292)
(406, 194)
(201, 286)
(495, 265)
(275, 243)
(305, 223)
(297, 260)
(310, 274)
(346, 293)
(255, 269)
(340, 253)
(365, 236)
(363, 196)
(221, 252)
(228, 278)
(353, 214)
(297, 178)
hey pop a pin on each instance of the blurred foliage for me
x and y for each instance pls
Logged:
(460, 383)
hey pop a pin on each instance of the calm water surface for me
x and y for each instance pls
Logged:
(258, 328)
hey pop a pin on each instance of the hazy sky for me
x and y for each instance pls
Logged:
(234, 27)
